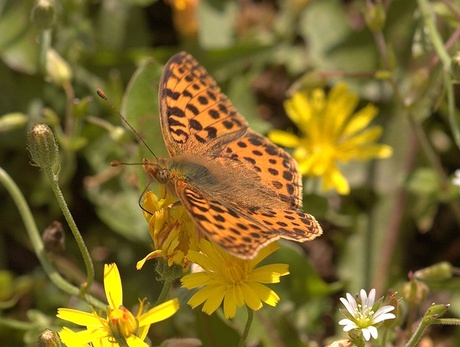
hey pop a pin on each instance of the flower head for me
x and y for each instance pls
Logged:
(231, 280)
(330, 134)
(171, 229)
(364, 314)
(119, 324)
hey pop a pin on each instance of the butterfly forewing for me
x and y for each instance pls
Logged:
(195, 115)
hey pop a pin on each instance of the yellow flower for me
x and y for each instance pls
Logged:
(171, 229)
(331, 134)
(184, 13)
(234, 281)
(120, 327)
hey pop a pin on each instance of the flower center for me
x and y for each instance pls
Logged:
(235, 271)
(122, 323)
(363, 316)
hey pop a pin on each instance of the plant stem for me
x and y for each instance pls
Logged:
(37, 242)
(167, 284)
(247, 327)
(53, 178)
(417, 334)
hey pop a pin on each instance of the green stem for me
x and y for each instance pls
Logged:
(434, 34)
(447, 321)
(16, 324)
(435, 163)
(247, 327)
(45, 44)
(417, 334)
(441, 51)
(37, 242)
(167, 284)
(53, 178)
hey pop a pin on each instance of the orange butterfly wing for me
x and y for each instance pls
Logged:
(240, 189)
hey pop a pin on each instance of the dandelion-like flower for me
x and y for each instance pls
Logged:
(171, 229)
(364, 314)
(120, 325)
(231, 280)
(331, 133)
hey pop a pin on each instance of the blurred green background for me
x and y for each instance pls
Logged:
(402, 213)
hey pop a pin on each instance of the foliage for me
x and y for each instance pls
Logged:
(396, 229)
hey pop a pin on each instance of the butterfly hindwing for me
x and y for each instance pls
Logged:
(274, 167)
(242, 233)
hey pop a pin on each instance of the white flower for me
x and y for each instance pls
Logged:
(456, 179)
(361, 314)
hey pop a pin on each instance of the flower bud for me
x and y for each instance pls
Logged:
(48, 338)
(43, 15)
(374, 15)
(42, 146)
(57, 69)
(437, 272)
(434, 312)
(122, 323)
(12, 121)
(414, 291)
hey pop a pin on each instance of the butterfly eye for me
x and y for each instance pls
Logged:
(162, 176)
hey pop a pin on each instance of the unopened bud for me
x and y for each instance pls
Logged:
(42, 146)
(43, 15)
(57, 69)
(374, 14)
(437, 272)
(434, 312)
(12, 121)
(48, 338)
(414, 291)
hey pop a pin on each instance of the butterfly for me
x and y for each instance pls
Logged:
(240, 189)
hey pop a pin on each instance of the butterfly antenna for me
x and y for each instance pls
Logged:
(139, 202)
(102, 95)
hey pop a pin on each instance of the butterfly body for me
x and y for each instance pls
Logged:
(240, 189)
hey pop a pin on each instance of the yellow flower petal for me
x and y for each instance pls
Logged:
(134, 341)
(78, 317)
(112, 285)
(151, 255)
(360, 120)
(228, 280)
(251, 297)
(269, 273)
(159, 313)
(332, 133)
(284, 138)
(265, 294)
(120, 324)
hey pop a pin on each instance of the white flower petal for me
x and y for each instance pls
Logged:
(352, 302)
(381, 318)
(364, 310)
(348, 324)
(371, 298)
(373, 331)
(348, 306)
(366, 334)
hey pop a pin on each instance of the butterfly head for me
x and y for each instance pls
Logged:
(157, 170)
